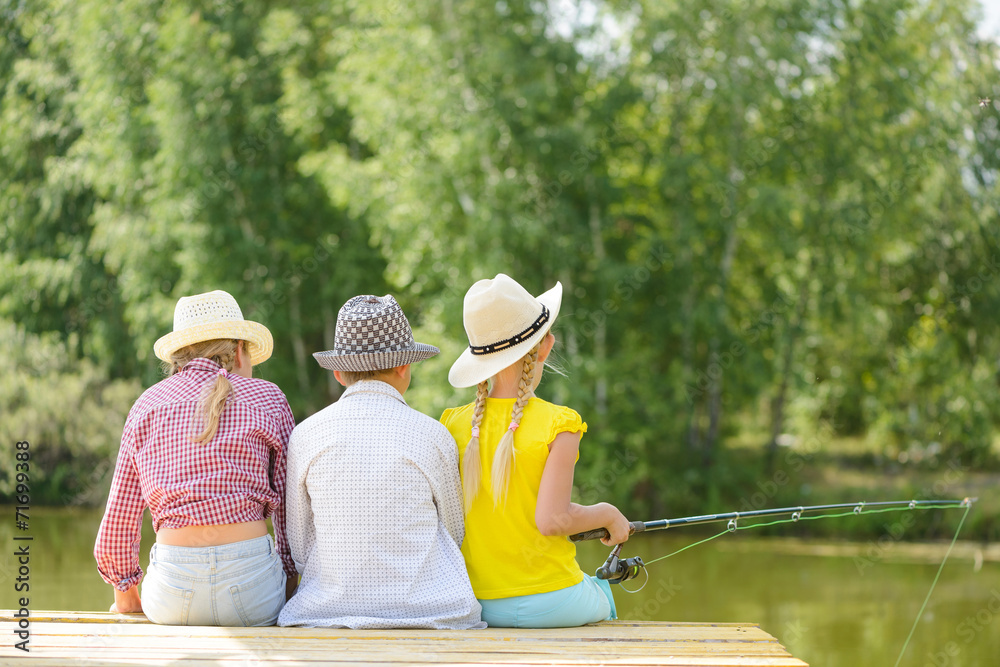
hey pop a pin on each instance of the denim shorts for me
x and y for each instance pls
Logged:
(238, 584)
(586, 602)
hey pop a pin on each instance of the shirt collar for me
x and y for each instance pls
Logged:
(373, 387)
(201, 364)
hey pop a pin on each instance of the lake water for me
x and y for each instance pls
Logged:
(850, 610)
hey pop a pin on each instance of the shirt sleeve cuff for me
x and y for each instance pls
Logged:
(128, 583)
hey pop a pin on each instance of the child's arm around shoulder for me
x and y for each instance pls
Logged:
(555, 514)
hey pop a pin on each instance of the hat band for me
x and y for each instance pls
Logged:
(516, 338)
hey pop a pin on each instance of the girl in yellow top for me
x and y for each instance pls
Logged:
(517, 468)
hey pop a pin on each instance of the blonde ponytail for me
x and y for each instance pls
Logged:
(472, 466)
(211, 409)
(222, 352)
(503, 457)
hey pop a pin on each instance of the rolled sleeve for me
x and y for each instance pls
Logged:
(117, 545)
(286, 423)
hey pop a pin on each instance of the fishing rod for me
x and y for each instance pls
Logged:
(616, 569)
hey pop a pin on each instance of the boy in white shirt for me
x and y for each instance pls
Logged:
(373, 505)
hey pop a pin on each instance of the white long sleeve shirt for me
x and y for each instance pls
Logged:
(373, 514)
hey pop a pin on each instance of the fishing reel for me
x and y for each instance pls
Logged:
(616, 570)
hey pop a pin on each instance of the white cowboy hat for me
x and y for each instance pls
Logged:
(503, 322)
(211, 316)
(372, 334)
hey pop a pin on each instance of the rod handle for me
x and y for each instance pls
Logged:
(603, 534)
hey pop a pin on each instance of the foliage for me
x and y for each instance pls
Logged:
(767, 216)
(69, 411)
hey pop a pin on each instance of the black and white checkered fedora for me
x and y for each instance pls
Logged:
(373, 334)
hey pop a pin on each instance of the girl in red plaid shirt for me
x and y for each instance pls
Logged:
(205, 451)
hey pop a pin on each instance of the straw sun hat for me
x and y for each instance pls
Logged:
(372, 334)
(211, 316)
(503, 322)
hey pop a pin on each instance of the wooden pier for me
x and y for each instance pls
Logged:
(93, 638)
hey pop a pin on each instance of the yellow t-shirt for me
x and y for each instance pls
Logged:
(504, 552)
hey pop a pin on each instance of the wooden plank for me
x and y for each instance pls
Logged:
(666, 655)
(338, 657)
(238, 661)
(107, 617)
(166, 644)
(72, 638)
(597, 633)
(194, 640)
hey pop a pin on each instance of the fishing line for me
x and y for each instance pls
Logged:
(733, 526)
(690, 546)
(636, 590)
(933, 584)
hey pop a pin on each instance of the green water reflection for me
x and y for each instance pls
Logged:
(828, 611)
(823, 609)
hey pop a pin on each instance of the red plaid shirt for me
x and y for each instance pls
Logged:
(238, 476)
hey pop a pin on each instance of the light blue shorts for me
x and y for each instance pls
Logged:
(236, 584)
(587, 602)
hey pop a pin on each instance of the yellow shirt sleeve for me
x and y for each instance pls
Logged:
(567, 420)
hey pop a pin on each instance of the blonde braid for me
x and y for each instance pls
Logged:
(222, 352)
(503, 458)
(472, 466)
(215, 400)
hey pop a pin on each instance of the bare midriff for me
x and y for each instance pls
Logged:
(211, 536)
